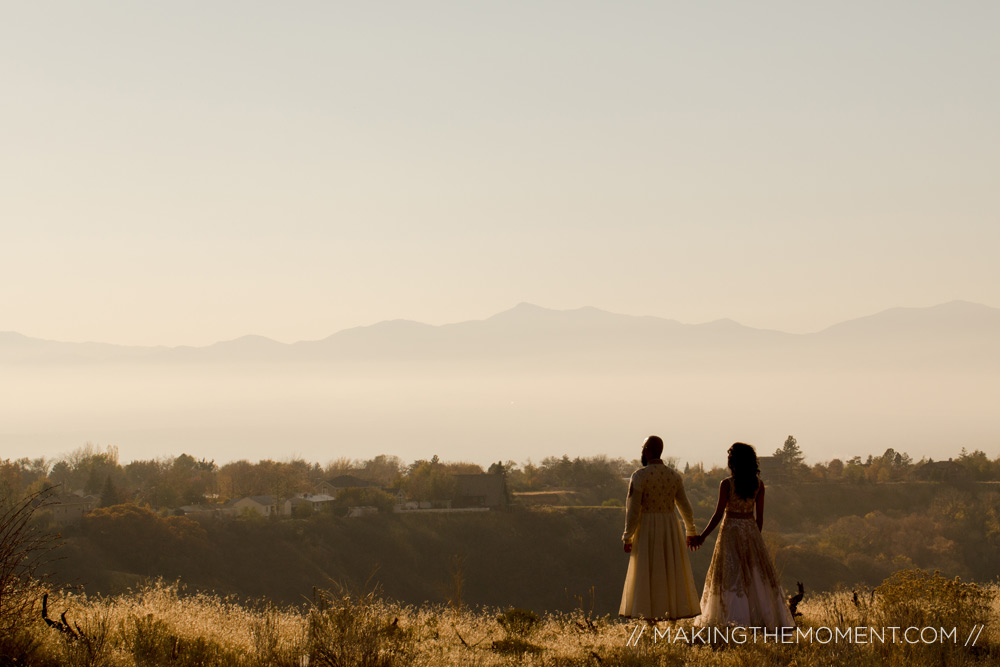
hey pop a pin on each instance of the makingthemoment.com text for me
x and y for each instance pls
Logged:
(821, 635)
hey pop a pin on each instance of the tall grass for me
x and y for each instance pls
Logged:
(158, 624)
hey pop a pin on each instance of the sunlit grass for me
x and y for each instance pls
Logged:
(159, 624)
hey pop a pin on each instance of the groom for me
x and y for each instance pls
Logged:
(659, 583)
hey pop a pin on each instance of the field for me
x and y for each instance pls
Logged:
(536, 586)
(955, 623)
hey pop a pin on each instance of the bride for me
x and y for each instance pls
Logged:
(741, 587)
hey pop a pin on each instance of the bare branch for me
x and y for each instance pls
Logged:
(25, 547)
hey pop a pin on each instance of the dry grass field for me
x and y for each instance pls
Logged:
(159, 624)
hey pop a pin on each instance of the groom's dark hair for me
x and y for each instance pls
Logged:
(654, 445)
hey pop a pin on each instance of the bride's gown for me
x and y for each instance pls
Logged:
(742, 587)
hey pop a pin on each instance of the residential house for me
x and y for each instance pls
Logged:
(772, 469)
(554, 497)
(481, 490)
(315, 502)
(69, 508)
(406, 506)
(263, 505)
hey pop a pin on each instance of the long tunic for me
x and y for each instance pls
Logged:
(659, 583)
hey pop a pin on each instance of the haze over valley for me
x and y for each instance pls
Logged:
(526, 383)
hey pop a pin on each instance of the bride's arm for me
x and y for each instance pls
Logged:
(760, 508)
(720, 509)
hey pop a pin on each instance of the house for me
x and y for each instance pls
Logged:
(555, 497)
(406, 506)
(69, 508)
(482, 490)
(263, 505)
(333, 487)
(772, 469)
(315, 502)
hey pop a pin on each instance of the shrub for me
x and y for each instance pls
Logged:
(919, 598)
(347, 630)
(518, 626)
(518, 622)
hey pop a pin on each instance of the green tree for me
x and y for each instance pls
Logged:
(497, 468)
(109, 494)
(385, 471)
(791, 459)
(790, 454)
(140, 539)
(978, 464)
(430, 481)
(86, 467)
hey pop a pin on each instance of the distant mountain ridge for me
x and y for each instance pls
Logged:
(528, 330)
(950, 316)
(522, 382)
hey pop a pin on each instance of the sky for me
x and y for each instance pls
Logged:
(188, 172)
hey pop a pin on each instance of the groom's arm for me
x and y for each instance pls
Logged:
(687, 514)
(633, 507)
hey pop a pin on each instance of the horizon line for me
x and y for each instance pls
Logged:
(520, 305)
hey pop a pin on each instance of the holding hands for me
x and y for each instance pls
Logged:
(694, 542)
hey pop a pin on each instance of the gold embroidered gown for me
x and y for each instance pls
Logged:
(659, 583)
(741, 587)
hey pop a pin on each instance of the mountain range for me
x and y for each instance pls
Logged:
(527, 382)
(956, 331)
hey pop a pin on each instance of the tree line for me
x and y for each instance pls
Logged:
(171, 482)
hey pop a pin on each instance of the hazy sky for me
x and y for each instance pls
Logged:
(187, 172)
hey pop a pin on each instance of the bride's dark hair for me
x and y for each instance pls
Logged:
(743, 464)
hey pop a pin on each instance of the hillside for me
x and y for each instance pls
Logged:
(539, 560)
(824, 535)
